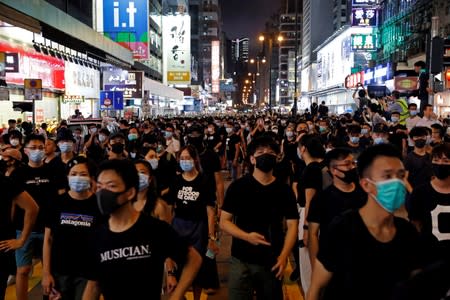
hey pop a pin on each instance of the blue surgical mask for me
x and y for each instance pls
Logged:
(413, 113)
(36, 156)
(322, 128)
(132, 136)
(143, 181)
(364, 131)
(168, 134)
(65, 147)
(289, 134)
(394, 119)
(354, 139)
(378, 141)
(186, 165)
(154, 163)
(390, 194)
(79, 183)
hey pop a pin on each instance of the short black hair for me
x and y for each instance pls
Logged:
(92, 168)
(368, 156)
(336, 154)
(362, 93)
(440, 128)
(418, 131)
(15, 133)
(353, 128)
(313, 144)
(412, 105)
(441, 150)
(427, 105)
(125, 169)
(263, 141)
(34, 137)
(420, 64)
(395, 94)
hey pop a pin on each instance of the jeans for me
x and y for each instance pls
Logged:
(233, 170)
(246, 278)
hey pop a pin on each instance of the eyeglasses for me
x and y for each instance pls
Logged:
(36, 148)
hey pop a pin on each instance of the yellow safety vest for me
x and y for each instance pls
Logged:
(404, 114)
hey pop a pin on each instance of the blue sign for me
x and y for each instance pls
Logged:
(110, 100)
(126, 22)
(378, 75)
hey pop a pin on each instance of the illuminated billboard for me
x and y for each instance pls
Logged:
(365, 42)
(126, 22)
(364, 17)
(215, 66)
(177, 49)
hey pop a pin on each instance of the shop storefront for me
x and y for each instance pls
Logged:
(82, 91)
(162, 99)
(24, 62)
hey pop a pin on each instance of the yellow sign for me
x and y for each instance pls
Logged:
(178, 76)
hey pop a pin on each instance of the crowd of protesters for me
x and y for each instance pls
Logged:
(360, 201)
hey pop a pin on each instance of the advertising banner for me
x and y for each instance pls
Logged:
(367, 17)
(81, 81)
(111, 100)
(126, 22)
(128, 82)
(215, 66)
(32, 64)
(356, 3)
(365, 42)
(177, 49)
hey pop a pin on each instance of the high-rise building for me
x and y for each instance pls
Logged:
(342, 11)
(290, 30)
(240, 48)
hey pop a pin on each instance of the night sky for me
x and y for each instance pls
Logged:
(246, 18)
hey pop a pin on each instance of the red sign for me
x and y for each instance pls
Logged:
(351, 81)
(35, 65)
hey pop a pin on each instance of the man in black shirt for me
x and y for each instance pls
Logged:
(344, 194)
(253, 212)
(418, 162)
(367, 252)
(397, 133)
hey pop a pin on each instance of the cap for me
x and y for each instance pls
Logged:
(13, 153)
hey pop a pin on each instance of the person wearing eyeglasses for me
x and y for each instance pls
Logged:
(43, 184)
(343, 194)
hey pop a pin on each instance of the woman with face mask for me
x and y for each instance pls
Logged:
(71, 220)
(193, 195)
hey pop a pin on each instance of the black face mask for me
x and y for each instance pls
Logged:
(107, 201)
(266, 162)
(117, 148)
(420, 143)
(441, 171)
(350, 176)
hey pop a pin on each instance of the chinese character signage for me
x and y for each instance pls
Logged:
(215, 66)
(364, 17)
(356, 3)
(128, 82)
(365, 42)
(177, 49)
(82, 81)
(126, 22)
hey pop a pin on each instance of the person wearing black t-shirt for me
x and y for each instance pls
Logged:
(255, 210)
(306, 186)
(430, 206)
(44, 186)
(193, 197)
(354, 140)
(71, 220)
(398, 133)
(367, 252)
(233, 150)
(13, 194)
(127, 254)
(418, 161)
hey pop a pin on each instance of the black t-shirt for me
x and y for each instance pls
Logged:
(72, 223)
(130, 264)
(397, 138)
(192, 197)
(363, 267)
(210, 162)
(310, 178)
(419, 168)
(166, 171)
(232, 140)
(42, 184)
(94, 151)
(332, 202)
(262, 209)
(212, 140)
(432, 210)
(10, 190)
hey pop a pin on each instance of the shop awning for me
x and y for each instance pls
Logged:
(330, 90)
(161, 90)
(56, 25)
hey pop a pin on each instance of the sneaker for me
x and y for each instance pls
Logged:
(11, 280)
(295, 275)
